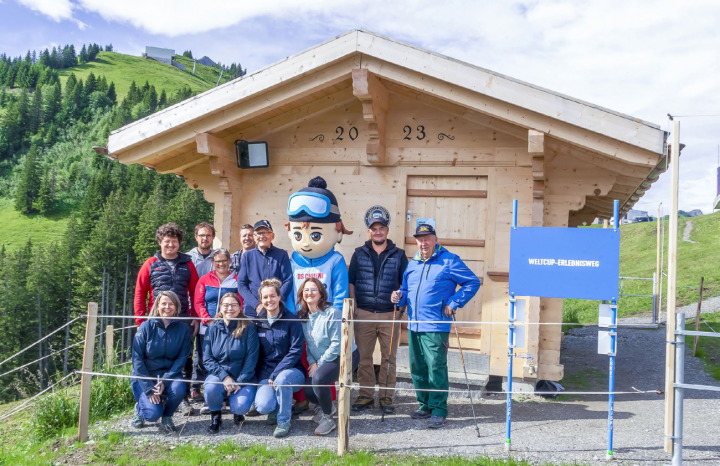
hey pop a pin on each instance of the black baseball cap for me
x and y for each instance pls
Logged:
(263, 224)
(424, 229)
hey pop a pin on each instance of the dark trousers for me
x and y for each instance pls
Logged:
(324, 376)
(198, 373)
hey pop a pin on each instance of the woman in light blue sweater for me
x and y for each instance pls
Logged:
(322, 336)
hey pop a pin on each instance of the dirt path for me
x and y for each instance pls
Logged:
(686, 232)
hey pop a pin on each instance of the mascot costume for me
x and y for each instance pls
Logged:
(314, 229)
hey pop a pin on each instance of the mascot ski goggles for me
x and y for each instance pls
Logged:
(314, 204)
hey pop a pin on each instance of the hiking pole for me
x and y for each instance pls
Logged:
(462, 359)
(387, 372)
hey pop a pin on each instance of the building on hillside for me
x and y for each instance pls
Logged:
(424, 135)
(206, 61)
(160, 54)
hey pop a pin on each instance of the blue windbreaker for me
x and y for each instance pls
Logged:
(224, 355)
(160, 351)
(431, 285)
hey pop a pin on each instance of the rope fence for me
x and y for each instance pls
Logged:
(41, 340)
(30, 400)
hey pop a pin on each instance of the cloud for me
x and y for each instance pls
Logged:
(57, 10)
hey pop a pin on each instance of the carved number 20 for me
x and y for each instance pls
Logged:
(407, 130)
(352, 133)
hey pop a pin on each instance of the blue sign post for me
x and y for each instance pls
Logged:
(581, 263)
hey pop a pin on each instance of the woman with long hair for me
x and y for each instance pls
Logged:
(160, 349)
(322, 331)
(230, 354)
(279, 368)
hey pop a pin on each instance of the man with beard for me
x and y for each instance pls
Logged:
(376, 270)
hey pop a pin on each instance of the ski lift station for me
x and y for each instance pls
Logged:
(425, 136)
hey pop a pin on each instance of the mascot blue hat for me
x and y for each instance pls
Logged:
(315, 204)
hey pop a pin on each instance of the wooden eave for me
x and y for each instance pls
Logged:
(313, 81)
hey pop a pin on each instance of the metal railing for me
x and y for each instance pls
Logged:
(654, 295)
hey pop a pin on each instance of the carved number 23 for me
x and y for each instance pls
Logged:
(407, 130)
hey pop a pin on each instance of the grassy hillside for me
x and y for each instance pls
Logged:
(638, 243)
(124, 69)
(17, 228)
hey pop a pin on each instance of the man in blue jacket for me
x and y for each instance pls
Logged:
(262, 263)
(429, 290)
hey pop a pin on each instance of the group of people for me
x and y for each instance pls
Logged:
(264, 327)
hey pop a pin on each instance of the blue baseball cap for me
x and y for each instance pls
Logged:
(424, 229)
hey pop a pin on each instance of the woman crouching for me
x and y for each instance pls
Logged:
(160, 349)
(279, 368)
(230, 354)
(322, 331)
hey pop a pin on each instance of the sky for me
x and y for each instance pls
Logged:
(646, 59)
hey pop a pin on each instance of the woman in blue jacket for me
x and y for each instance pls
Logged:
(279, 368)
(159, 351)
(230, 353)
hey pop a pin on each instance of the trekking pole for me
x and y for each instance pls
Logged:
(387, 372)
(462, 359)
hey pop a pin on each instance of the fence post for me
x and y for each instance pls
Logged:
(87, 366)
(109, 346)
(697, 316)
(345, 379)
(679, 392)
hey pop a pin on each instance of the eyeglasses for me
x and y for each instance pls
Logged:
(227, 307)
(205, 236)
(310, 290)
(262, 233)
(225, 261)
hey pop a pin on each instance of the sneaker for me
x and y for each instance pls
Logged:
(420, 414)
(195, 395)
(386, 404)
(137, 421)
(186, 408)
(436, 422)
(300, 407)
(205, 409)
(238, 419)
(282, 430)
(363, 402)
(326, 425)
(167, 425)
(271, 418)
(318, 413)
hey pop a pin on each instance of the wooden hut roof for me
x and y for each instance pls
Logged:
(315, 80)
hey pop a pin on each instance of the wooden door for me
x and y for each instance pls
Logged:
(459, 206)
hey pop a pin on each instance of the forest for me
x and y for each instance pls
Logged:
(48, 168)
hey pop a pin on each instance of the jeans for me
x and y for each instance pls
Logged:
(279, 398)
(325, 375)
(239, 402)
(171, 398)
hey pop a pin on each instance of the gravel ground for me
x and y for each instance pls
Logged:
(572, 429)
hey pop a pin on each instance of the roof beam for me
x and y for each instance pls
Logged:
(374, 98)
(180, 162)
(616, 166)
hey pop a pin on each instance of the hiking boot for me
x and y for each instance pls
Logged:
(253, 412)
(238, 419)
(205, 410)
(186, 408)
(215, 422)
(386, 404)
(167, 425)
(300, 407)
(420, 414)
(318, 413)
(271, 418)
(435, 422)
(195, 395)
(363, 402)
(282, 430)
(326, 425)
(137, 421)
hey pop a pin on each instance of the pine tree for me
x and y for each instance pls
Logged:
(27, 188)
(43, 202)
(83, 58)
(111, 93)
(35, 112)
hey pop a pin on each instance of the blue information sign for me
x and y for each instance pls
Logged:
(581, 263)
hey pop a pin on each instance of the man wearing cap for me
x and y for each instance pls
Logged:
(262, 263)
(429, 291)
(376, 270)
(247, 241)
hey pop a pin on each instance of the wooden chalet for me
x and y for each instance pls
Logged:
(422, 134)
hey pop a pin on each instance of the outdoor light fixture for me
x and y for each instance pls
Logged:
(251, 154)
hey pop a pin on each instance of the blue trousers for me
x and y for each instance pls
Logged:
(239, 401)
(279, 398)
(171, 398)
